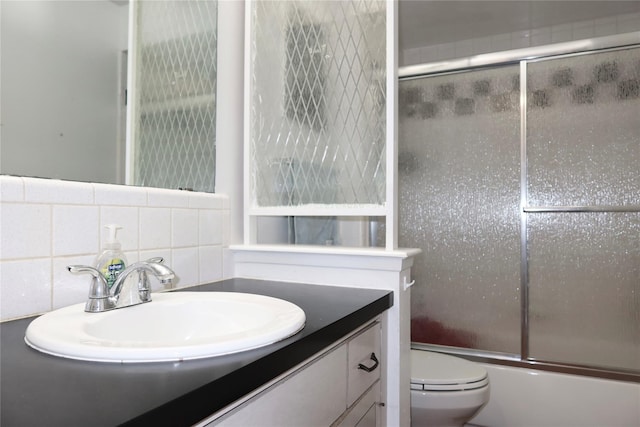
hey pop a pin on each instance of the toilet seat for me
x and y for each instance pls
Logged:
(439, 372)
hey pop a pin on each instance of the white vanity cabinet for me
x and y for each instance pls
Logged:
(363, 379)
(340, 386)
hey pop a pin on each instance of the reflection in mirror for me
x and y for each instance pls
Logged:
(63, 78)
(174, 94)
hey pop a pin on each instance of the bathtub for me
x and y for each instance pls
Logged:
(529, 398)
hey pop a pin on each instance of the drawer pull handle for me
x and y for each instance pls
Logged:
(373, 367)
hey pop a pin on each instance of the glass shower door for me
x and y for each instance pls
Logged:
(583, 224)
(459, 194)
(529, 220)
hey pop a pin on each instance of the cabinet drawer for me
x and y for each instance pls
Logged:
(364, 413)
(370, 418)
(364, 362)
(312, 397)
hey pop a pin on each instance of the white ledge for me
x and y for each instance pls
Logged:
(257, 259)
(329, 250)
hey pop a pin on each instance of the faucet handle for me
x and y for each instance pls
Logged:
(144, 286)
(99, 287)
(98, 291)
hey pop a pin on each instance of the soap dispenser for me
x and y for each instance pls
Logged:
(111, 260)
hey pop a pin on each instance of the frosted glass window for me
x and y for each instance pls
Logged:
(317, 118)
(459, 189)
(176, 94)
(584, 288)
(583, 130)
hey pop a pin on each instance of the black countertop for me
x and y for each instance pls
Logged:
(38, 389)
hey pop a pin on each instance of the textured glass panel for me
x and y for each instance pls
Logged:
(459, 189)
(584, 288)
(583, 130)
(176, 89)
(317, 97)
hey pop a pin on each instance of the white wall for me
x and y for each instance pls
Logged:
(618, 24)
(60, 112)
(49, 224)
(230, 111)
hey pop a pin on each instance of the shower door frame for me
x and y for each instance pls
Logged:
(523, 57)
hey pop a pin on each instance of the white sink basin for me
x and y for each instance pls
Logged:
(174, 326)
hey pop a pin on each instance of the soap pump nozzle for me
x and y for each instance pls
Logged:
(112, 241)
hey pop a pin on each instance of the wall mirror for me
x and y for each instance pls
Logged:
(63, 79)
(64, 91)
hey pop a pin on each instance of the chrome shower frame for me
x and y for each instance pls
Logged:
(523, 57)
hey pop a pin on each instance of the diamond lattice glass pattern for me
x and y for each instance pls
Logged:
(176, 88)
(318, 125)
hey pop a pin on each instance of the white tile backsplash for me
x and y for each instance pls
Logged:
(55, 191)
(47, 224)
(120, 195)
(76, 230)
(202, 201)
(210, 227)
(12, 189)
(25, 230)
(210, 258)
(155, 228)
(70, 288)
(184, 227)
(26, 287)
(168, 199)
(185, 262)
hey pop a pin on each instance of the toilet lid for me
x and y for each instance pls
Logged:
(436, 371)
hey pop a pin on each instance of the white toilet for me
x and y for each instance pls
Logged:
(446, 391)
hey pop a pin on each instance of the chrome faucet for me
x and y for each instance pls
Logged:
(130, 288)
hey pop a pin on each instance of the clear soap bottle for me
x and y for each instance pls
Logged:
(111, 260)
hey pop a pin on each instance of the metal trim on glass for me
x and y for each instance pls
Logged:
(517, 55)
(505, 359)
(524, 264)
(581, 209)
